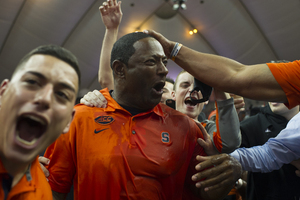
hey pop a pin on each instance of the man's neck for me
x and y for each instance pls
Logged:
(290, 115)
(121, 99)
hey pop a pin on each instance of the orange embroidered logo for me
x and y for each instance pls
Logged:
(104, 120)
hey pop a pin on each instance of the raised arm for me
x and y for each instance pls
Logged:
(111, 15)
(227, 135)
(252, 81)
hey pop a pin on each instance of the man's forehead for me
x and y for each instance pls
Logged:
(149, 44)
(185, 76)
(169, 85)
(50, 67)
(42, 62)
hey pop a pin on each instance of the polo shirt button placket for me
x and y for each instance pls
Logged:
(133, 131)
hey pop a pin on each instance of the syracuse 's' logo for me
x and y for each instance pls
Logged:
(104, 120)
(165, 137)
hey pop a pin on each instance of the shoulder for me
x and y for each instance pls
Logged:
(83, 111)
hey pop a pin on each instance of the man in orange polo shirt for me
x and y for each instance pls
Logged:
(36, 107)
(135, 148)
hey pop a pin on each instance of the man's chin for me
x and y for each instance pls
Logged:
(18, 156)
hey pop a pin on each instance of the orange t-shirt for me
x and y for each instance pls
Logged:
(33, 185)
(288, 77)
(110, 154)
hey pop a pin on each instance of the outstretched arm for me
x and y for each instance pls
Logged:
(111, 16)
(252, 81)
(282, 149)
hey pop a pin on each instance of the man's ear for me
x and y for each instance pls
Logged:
(3, 87)
(66, 129)
(119, 69)
(173, 95)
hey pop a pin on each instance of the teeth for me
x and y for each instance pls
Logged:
(37, 119)
(24, 141)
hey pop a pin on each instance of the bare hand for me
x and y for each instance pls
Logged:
(94, 99)
(218, 95)
(239, 102)
(166, 44)
(296, 163)
(206, 142)
(43, 162)
(111, 14)
(225, 170)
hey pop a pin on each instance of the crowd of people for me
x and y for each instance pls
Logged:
(143, 136)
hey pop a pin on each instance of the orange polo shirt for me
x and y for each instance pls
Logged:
(288, 77)
(110, 154)
(30, 187)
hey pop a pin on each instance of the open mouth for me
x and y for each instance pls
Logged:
(189, 102)
(30, 128)
(158, 87)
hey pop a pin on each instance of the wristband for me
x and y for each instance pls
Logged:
(175, 51)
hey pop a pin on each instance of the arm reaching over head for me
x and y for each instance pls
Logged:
(111, 16)
(252, 81)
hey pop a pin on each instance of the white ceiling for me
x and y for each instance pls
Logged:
(249, 31)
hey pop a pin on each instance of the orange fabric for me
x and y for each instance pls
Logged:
(111, 155)
(233, 191)
(217, 136)
(212, 113)
(288, 77)
(38, 188)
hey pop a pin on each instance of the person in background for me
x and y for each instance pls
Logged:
(36, 107)
(256, 130)
(225, 132)
(168, 89)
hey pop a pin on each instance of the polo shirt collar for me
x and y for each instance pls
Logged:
(112, 105)
(27, 182)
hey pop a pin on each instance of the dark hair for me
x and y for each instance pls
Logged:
(123, 49)
(55, 51)
(170, 80)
